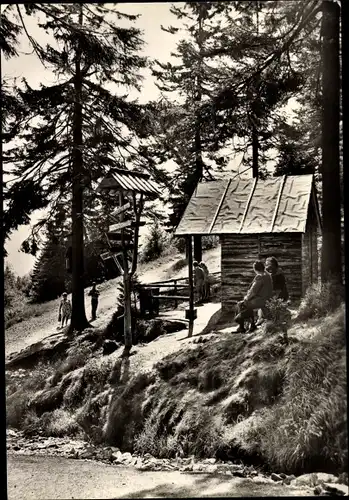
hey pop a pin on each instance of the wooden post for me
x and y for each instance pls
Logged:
(127, 290)
(191, 286)
(197, 248)
(175, 293)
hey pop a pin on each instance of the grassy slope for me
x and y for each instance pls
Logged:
(41, 319)
(252, 396)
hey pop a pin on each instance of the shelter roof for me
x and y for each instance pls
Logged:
(245, 206)
(129, 180)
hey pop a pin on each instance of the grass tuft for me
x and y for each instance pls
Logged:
(320, 300)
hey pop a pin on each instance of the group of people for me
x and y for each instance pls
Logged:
(201, 281)
(269, 282)
(65, 307)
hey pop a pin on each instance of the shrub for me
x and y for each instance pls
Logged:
(155, 243)
(61, 423)
(278, 317)
(320, 299)
(209, 242)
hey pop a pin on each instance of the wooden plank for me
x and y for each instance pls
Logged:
(106, 255)
(121, 225)
(121, 209)
(118, 246)
(183, 297)
(118, 236)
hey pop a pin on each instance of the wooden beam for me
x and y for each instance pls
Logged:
(120, 225)
(118, 236)
(278, 202)
(121, 209)
(182, 297)
(248, 204)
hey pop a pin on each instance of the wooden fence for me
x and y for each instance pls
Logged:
(175, 289)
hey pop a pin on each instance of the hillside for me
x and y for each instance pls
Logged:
(264, 399)
(44, 320)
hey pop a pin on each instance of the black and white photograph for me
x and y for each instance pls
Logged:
(173, 206)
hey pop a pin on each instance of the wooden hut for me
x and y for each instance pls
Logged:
(256, 219)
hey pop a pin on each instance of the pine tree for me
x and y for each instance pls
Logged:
(185, 135)
(49, 278)
(76, 126)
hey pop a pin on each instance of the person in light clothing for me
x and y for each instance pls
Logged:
(260, 291)
(199, 281)
(206, 280)
(64, 310)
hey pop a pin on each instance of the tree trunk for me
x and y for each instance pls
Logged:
(331, 209)
(78, 319)
(254, 151)
(198, 144)
(345, 131)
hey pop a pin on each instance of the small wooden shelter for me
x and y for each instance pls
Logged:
(256, 219)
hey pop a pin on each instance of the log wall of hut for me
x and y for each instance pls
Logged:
(241, 250)
(310, 256)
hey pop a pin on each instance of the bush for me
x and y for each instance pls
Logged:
(278, 317)
(320, 299)
(155, 243)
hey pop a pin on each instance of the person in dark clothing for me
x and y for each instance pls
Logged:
(94, 294)
(279, 284)
(278, 277)
(260, 291)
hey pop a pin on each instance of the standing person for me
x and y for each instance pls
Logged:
(64, 309)
(260, 291)
(199, 280)
(94, 293)
(206, 280)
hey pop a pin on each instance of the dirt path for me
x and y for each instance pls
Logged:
(38, 478)
(20, 335)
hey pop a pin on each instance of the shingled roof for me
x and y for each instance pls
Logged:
(245, 206)
(130, 181)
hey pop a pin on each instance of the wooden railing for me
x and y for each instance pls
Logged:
(172, 288)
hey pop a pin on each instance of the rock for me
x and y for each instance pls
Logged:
(282, 475)
(276, 477)
(212, 468)
(11, 433)
(197, 468)
(262, 479)
(336, 489)
(116, 457)
(109, 346)
(323, 477)
(342, 479)
(288, 479)
(318, 490)
(40, 351)
(305, 480)
(126, 457)
(210, 460)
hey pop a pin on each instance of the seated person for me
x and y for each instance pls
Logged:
(259, 292)
(279, 282)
